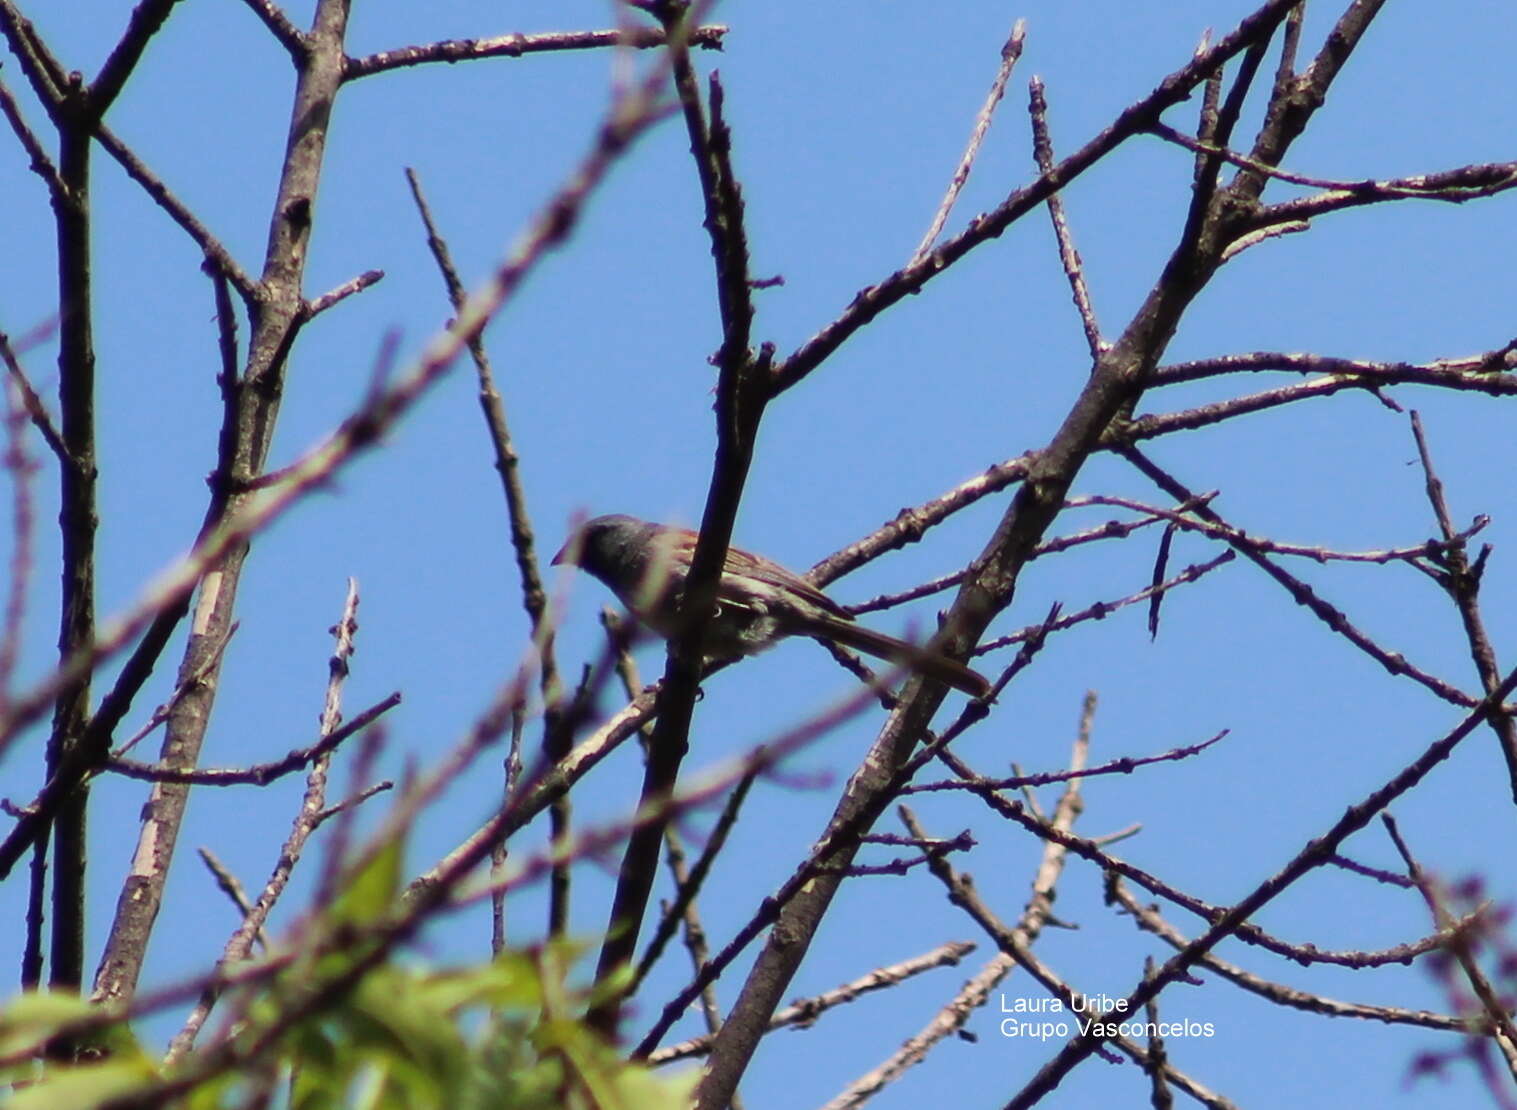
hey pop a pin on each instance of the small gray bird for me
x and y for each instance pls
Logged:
(758, 601)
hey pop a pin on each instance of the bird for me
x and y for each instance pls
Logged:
(758, 601)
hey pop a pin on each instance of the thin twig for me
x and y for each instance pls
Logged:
(1461, 580)
(516, 45)
(279, 25)
(1461, 184)
(1493, 1008)
(22, 469)
(1010, 52)
(1069, 257)
(232, 887)
(161, 713)
(33, 405)
(347, 805)
(1428, 549)
(259, 774)
(1100, 610)
(1123, 766)
(214, 250)
(523, 544)
(41, 164)
(342, 292)
(311, 805)
(1332, 617)
(805, 1011)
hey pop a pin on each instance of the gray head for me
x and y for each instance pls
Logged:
(614, 548)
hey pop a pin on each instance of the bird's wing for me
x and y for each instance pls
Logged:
(764, 572)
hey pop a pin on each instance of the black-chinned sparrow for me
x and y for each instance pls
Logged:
(758, 601)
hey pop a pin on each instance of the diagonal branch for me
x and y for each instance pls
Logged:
(1009, 55)
(279, 25)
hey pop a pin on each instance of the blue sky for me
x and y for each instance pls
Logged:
(848, 119)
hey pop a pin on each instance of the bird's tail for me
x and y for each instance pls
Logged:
(929, 663)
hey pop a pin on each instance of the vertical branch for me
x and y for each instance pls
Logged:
(1461, 580)
(21, 468)
(32, 957)
(741, 394)
(311, 814)
(77, 111)
(1211, 100)
(513, 770)
(557, 739)
(78, 520)
(253, 406)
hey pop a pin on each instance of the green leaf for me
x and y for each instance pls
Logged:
(372, 889)
(82, 1086)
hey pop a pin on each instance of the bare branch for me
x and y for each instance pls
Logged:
(260, 774)
(148, 18)
(41, 164)
(311, 806)
(1091, 849)
(1148, 919)
(1100, 610)
(1494, 1009)
(1454, 186)
(232, 887)
(342, 292)
(1462, 581)
(1445, 185)
(807, 1010)
(1069, 257)
(1427, 549)
(1010, 52)
(870, 302)
(1334, 618)
(741, 394)
(517, 45)
(216, 254)
(279, 25)
(1123, 766)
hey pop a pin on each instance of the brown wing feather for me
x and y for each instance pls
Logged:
(771, 573)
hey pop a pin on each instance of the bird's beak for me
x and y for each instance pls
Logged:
(561, 557)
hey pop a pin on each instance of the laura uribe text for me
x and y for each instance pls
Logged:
(1099, 1014)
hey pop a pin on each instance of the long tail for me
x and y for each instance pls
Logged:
(878, 644)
